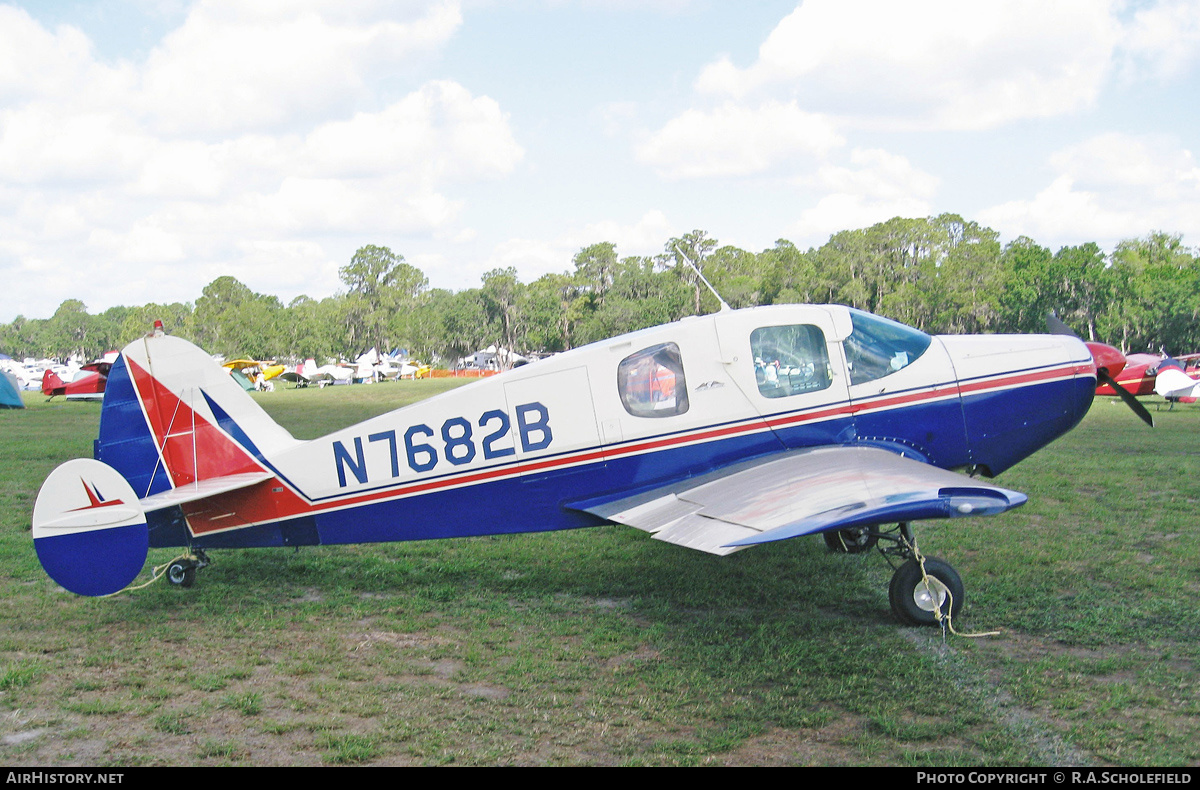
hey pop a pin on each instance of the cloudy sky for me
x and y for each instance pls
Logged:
(148, 147)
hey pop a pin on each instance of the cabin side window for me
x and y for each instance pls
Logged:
(879, 347)
(790, 360)
(651, 382)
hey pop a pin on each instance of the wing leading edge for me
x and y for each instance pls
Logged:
(803, 493)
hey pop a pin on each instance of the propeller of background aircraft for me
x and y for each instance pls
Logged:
(1109, 362)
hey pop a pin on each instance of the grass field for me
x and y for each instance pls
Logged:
(603, 647)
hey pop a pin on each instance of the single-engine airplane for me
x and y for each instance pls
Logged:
(1140, 375)
(88, 384)
(852, 426)
(250, 368)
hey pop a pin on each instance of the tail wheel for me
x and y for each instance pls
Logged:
(182, 573)
(917, 597)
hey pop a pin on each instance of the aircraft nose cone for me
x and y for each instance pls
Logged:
(1107, 358)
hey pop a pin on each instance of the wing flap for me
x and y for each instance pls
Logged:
(712, 536)
(801, 493)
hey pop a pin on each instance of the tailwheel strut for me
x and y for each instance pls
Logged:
(182, 571)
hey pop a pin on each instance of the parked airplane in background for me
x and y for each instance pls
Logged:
(88, 384)
(1141, 373)
(1137, 376)
(252, 369)
(1178, 379)
(309, 373)
(717, 433)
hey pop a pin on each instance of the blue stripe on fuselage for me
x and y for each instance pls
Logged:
(535, 503)
(1006, 426)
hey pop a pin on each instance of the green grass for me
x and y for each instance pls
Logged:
(602, 647)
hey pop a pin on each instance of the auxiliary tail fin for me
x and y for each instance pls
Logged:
(172, 416)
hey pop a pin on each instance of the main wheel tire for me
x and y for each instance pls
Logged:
(181, 573)
(915, 603)
(854, 540)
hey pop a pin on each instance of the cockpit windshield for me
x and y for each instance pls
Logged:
(879, 347)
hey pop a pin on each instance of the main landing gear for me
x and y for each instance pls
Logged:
(923, 590)
(182, 571)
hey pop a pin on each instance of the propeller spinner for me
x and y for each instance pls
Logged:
(1109, 362)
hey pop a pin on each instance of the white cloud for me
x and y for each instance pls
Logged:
(876, 187)
(36, 63)
(1163, 39)
(834, 70)
(1153, 165)
(1108, 188)
(732, 140)
(535, 257)
(235, 66)
(42, 144)
(253, 130)
(1062, 214)
(646, 236)
(933, 64)
(440, 131)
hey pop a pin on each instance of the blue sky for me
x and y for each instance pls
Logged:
(148, 147)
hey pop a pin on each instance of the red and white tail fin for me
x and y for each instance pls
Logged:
(174, 429)
(173, 417)
(51, 384)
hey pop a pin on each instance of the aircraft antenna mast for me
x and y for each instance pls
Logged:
(696, 269)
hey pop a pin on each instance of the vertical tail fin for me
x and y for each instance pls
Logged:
(172, 416)
(51, 382)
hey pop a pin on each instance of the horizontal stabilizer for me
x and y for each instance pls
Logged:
(802, 493)
(202, 489)
(88, 531)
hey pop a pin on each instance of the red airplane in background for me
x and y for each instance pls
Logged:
(1141, 373)
(1174, 378)
(88, 384)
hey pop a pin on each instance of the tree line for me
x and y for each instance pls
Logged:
(941, 274)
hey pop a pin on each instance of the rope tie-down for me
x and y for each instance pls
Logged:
(179, 571)
(946, 619)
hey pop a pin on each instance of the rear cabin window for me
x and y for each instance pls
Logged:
(651, 382)
(879, 347)
(790, 360)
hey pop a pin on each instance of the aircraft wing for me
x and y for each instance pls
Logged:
(802, 493)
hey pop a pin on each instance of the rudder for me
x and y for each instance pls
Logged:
(172, 416)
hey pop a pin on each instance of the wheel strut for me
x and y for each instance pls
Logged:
(923, 590)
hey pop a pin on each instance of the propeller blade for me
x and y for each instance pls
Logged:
(1130, 399)
(1109, 362)
(1057, 327)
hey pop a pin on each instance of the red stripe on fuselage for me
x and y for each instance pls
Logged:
(248, 507)
(636, 447)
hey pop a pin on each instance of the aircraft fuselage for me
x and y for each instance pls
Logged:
(521, 451)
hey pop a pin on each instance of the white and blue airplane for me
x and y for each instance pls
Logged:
(716, 433)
